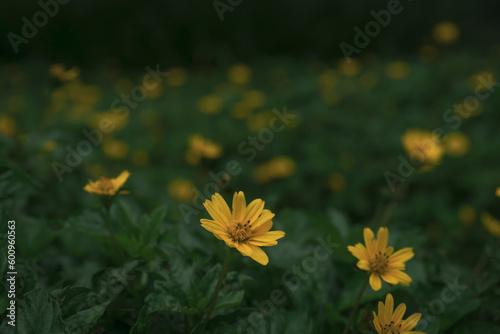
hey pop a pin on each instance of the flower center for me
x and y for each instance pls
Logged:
(240, 232)
(379, 263)
(105, 185)
(391, 328)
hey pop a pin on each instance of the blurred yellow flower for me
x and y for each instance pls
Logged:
(491, 224)
(336, 182)
(480, 81)
(349, 69)
(140, 158)
(466, 215)
(181, 190)
(210, 104)
(106, 186)
(154, 92)
(59, 71)
(380, 261)
(8, 126)
(239, 74)
(176, 77)
(328, 79)
(254, 98)
(277, 168)
(446, 33)
(497, 192)
(247, 228)
(115, 149)
(49, 145)
(457, 144)
(421, 146)
(397, 70)
(199, 147)
(390, 321)
(330, 97)
(260, 120)
(241, 110)
(112, 120)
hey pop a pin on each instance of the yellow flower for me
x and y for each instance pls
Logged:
(336, 182)
(49, 145)
(446, 33)
(58, 71)
(497, 192)
(7, 126)
(239, 74)
(106, 186)
(246, 228)
(115, 149)
(177, 76)
(390, 321)
(397, 70)
(254, 98)
(421, 146)
(349, 69)
(210, 104)
(181, 190)
(491, 224)
(466, 215)
(380, 261)
(260, 120)
(276, 168)
(199, 147)
(457, 144)
(478, 82)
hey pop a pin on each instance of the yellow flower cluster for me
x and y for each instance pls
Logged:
(423, 146)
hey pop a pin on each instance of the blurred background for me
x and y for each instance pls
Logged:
(232, 68)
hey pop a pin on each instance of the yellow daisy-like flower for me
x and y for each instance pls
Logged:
(491, 224)
(422, 146)
(106, 186)
(390, 321)
(380, 261)
(246, 228)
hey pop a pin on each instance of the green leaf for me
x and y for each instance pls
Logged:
(339, 221)
(150, 227)
(167, 297)
(142, 323)
(229, 299)
(38, 313)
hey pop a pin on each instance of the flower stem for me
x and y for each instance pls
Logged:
(111, 233)
(355, 307)
(223, 273)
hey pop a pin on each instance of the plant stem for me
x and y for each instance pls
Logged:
(223, 273)
(355, 307)
(111, 233)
